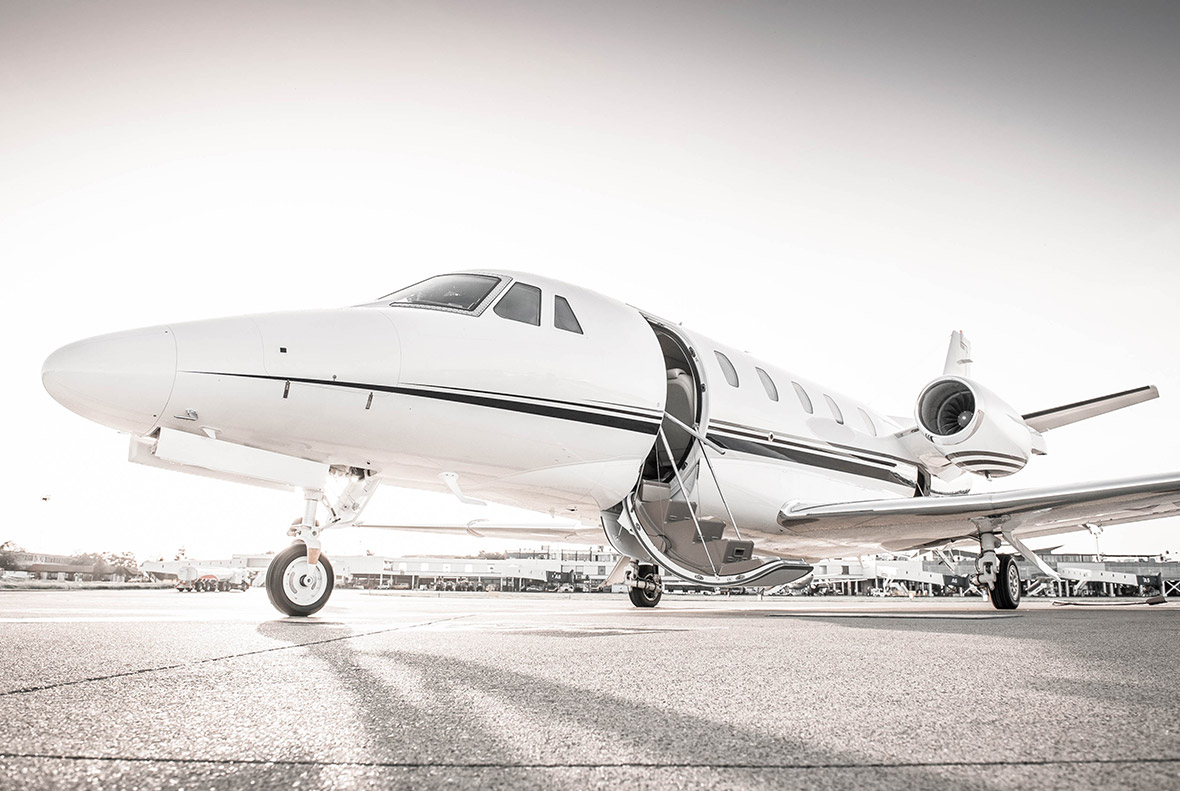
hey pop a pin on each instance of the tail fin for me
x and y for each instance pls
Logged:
(958, 356)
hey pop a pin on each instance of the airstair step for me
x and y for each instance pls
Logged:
(711, 530)
(679, 511)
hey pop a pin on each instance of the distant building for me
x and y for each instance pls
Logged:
(930, 574)
(517, 571)
(63, 568)
(25, 559)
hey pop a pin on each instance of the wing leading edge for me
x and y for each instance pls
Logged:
(914, 523)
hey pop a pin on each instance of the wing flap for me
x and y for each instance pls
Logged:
(926, 521)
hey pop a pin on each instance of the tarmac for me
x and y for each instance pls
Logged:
(163, 690)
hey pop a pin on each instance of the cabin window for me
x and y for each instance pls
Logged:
(768, 384)
(521, 303)
(804, 399)
(454, 292)
(837, 415)
(727, 369)
(563, 316)
(868, 421)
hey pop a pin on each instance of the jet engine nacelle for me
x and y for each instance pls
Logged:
(973, 428)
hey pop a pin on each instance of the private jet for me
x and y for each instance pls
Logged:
(689, 457)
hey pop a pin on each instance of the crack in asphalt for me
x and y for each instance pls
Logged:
(591, 764)
(209, 660)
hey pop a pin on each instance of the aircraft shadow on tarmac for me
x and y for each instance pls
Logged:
(421, 710)
(1122, 634)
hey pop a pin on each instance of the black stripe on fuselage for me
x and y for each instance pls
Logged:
(805, 458)
(620, 409)
(561, 410)
(862, 454)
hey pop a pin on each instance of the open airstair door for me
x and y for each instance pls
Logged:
(678, 513)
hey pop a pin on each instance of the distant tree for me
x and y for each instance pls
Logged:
(90, 560)
(8, 551)
(121, 562)
(103, 563)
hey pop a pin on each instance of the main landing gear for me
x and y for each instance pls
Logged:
(1006, 593)
(997, 574)
(644, 585)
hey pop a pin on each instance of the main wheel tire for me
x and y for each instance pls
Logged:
(642, 597)
(295, 588)
(1006, 594)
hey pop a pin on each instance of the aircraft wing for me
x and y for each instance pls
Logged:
(919, 522)
(572, 533)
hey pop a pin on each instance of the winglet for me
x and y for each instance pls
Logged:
(958, 356)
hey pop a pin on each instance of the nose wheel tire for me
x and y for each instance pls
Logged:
(296, 588)
(1006, 594)
(650, 594)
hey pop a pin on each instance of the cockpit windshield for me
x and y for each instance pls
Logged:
(455, 292)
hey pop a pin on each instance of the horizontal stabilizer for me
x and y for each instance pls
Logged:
(1082, 410)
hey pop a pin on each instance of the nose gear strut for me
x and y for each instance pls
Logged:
(300, 578)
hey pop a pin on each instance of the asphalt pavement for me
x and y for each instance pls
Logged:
(156, 689)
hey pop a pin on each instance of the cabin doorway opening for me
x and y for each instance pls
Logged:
(682, 406)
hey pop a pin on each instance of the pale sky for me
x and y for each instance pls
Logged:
(833, 186)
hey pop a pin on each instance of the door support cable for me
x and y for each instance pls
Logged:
(691, 511)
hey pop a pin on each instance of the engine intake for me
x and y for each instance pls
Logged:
(946, 408)
(973, 428)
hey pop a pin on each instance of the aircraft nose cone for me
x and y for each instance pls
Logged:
(121, 380)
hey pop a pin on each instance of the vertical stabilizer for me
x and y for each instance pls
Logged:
(958, 356)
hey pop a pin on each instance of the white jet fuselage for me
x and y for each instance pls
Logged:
(521, 413)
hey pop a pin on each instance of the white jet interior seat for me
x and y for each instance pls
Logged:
(681, 404)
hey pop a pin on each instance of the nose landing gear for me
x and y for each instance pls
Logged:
(300, 579)
(294, 586)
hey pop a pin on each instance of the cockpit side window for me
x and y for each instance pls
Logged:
(521, 303)
(453, 292)
(563, 316)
